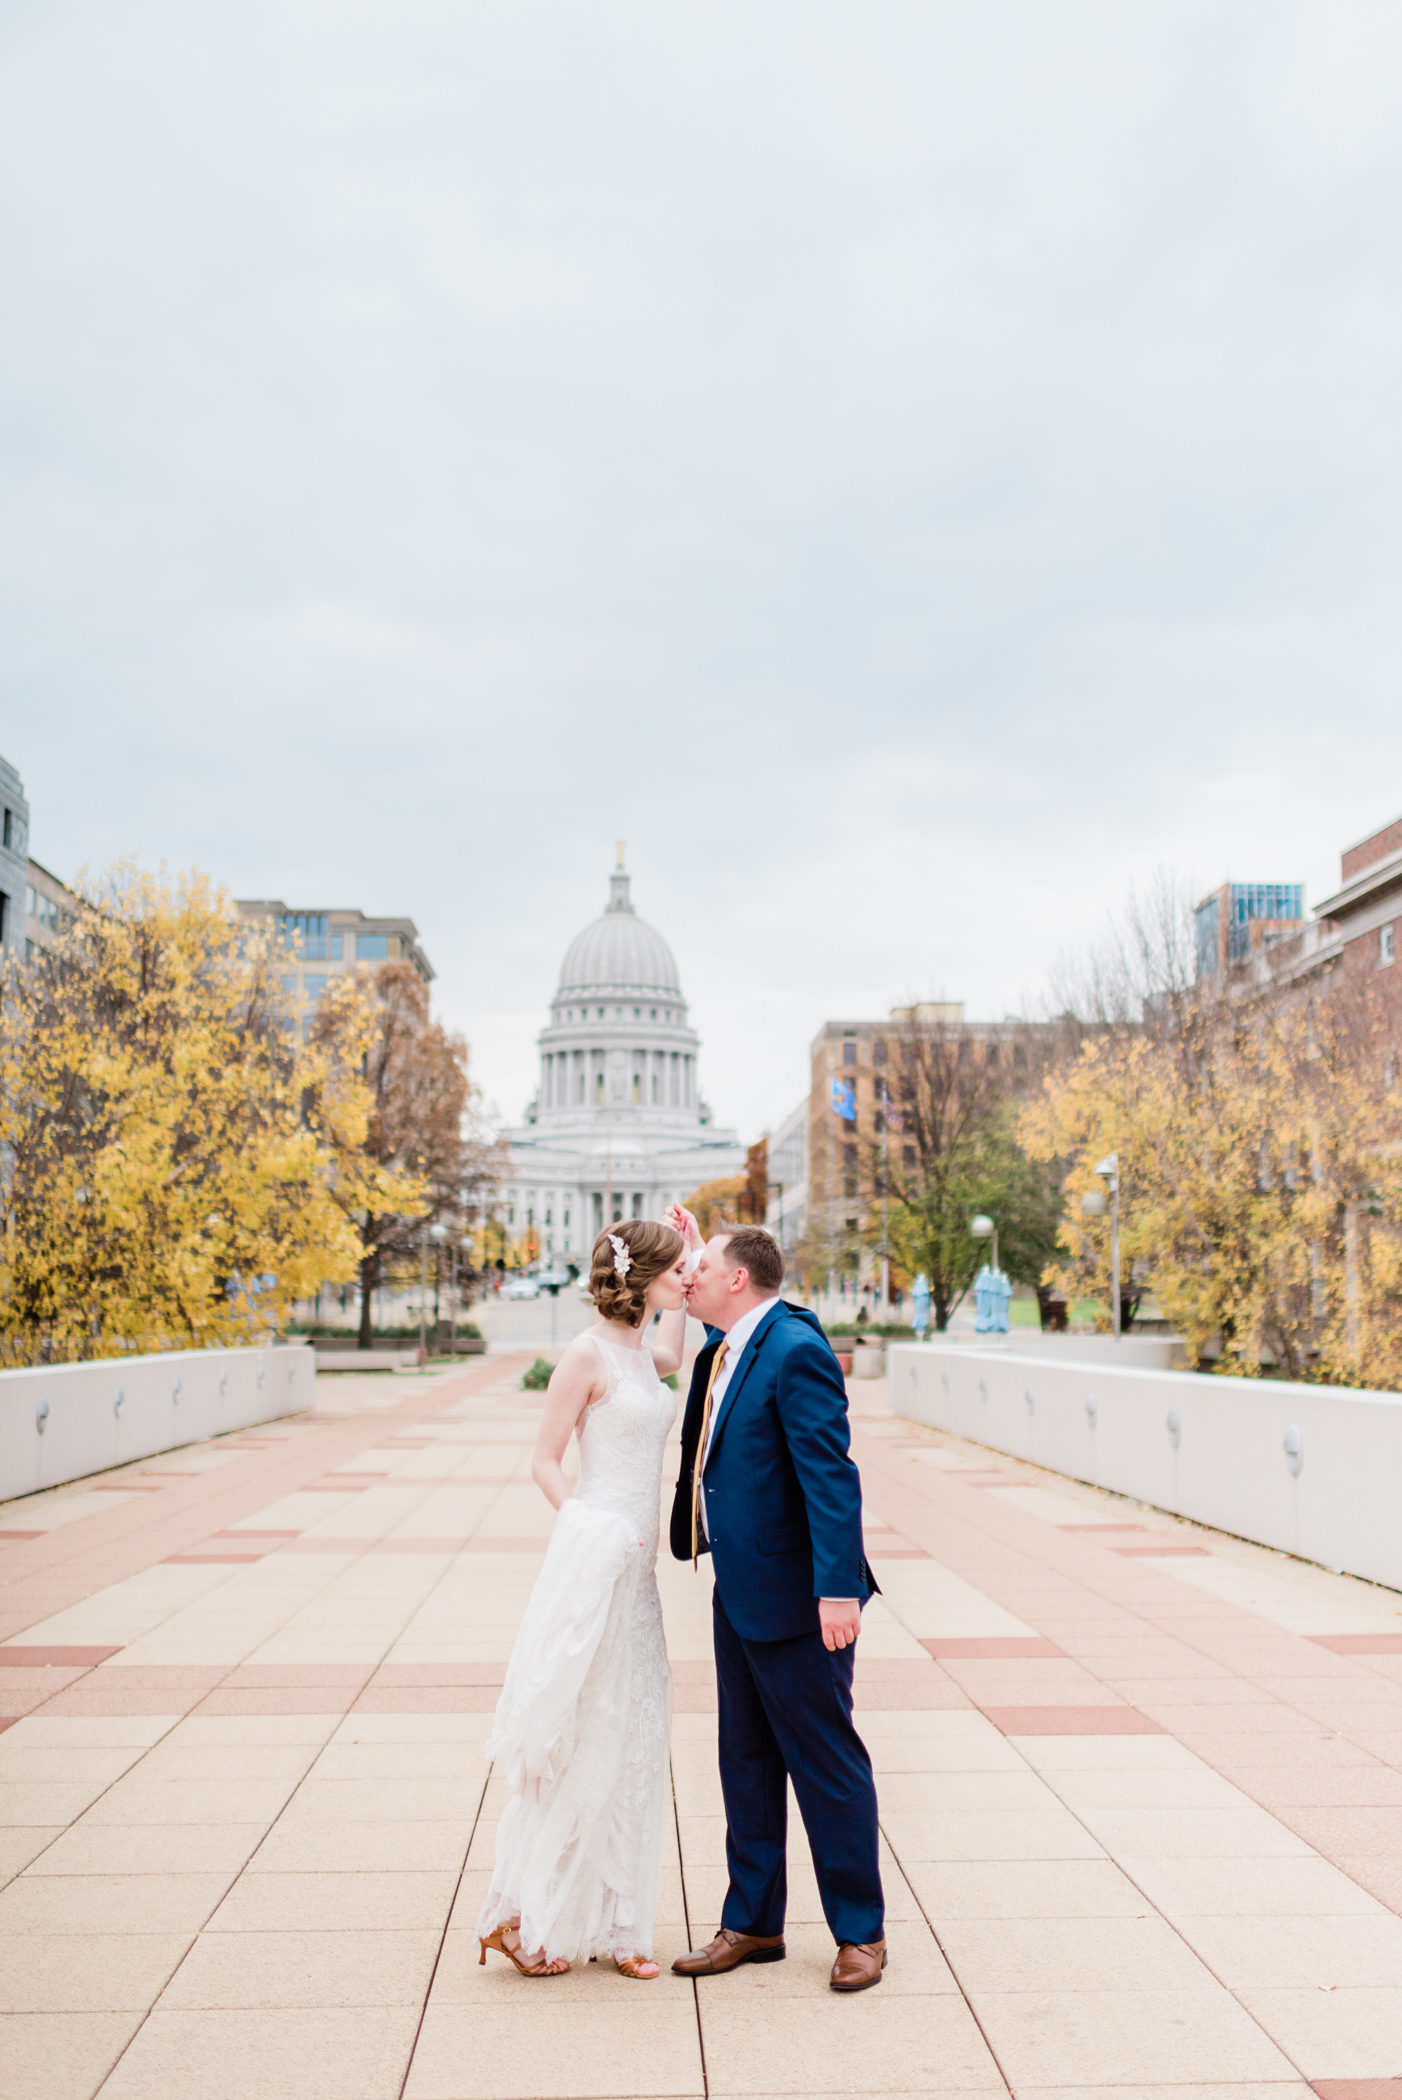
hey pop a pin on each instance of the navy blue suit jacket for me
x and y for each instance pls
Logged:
(783, 1503)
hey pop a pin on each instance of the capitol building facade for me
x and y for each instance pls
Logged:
(619, 1127)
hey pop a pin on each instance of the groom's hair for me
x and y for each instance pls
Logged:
(751, 1247)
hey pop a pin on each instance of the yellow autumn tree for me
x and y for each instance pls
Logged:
(178, 1165)
(1260, 1148)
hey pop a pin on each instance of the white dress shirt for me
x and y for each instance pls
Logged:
(736, 1339)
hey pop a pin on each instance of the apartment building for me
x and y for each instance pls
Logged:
(327, 943)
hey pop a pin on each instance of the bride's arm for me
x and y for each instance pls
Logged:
(576, 1380)
(667, 1341)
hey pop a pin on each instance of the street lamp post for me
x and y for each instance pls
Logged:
(1094, 1205)
(982, 1228)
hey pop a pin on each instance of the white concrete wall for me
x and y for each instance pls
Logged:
(1213, 1449)
(65, 1420)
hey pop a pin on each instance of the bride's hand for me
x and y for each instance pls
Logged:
(682, 1221)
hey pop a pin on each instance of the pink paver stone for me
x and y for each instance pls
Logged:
(17, 1658)
(1012, 1647)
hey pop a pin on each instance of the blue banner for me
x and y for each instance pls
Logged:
(844, 1100)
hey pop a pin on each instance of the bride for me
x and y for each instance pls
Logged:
(582, 1726)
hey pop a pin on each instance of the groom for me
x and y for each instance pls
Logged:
(768, 1490)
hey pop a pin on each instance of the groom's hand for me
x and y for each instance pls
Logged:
(840, 1619)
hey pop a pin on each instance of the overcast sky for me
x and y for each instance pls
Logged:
(909, 470)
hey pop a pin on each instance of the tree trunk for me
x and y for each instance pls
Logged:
(367, 1284)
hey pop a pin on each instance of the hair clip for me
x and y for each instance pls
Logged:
(622, 1259)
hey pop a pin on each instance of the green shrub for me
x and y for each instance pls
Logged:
(538, 1376)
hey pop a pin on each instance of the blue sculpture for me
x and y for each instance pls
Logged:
(992, 1291)
(920, 1305)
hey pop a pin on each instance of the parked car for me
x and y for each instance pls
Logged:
(553, 1279)
(520, 1287)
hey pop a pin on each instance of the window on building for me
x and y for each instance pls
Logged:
(849, 1170)
(4, 917)
(1386, 948)
(313, 986)
(637, 1090)
(306, 931)
(908, 1156)
(878, 1051)
(849, 1052)
(30, 904)
(567, 1221)
(289, 987)
(580, 1090)
(637, 1205)
(652, 1016)
(637, 1013)
(335, 944)
(599, 1088)
(371, 947)
(9, 829)
(598, 1212)
(656, 1090)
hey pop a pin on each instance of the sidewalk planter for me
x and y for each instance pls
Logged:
(868, 1360)
(1314, 1470)
(63, 1421)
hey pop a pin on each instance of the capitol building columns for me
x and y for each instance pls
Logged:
(619, 1127)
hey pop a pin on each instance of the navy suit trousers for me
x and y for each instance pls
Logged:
(786, 1713)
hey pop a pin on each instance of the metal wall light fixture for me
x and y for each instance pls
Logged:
(1174, 1425)
(119, 1401)
(1091, 1409)
(1294, 1449)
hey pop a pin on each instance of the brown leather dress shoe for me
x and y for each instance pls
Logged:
(858, 1968)
(727, 1950)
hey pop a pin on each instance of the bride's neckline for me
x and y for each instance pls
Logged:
(629, 1348)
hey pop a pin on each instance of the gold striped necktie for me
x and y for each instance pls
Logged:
(700, 1459)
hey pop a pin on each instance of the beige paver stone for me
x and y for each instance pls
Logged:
(1071, 1954)
(88, 1903)
(1345, 2032)
(60, 2056)
(335, 1903)
(23, 1803)
(148, 1848)
(386, 1800)
(1291, 1887)
(238, 1731)
(171, 1802)
(1036, 1888)
(350, 1848)
(1095, 1792)
(1090, 2038)
(76, 1731)
(18, 1847)
(1316, 1953)
(919, 1793)
(95, 1764)
(274, 2054)
(86, 1972)
(1037, 1833)
(234, 1971)
(592, 2046)
(1194, 1833)
(823, 2043)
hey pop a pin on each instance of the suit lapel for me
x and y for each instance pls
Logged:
(741, 1373)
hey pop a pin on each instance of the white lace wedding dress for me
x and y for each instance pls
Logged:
(584, 1719)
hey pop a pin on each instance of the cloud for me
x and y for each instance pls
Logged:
(908, 472)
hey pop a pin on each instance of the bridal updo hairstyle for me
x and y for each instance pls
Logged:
(653, 1248)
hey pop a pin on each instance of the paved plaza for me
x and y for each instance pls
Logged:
(1141, 1790)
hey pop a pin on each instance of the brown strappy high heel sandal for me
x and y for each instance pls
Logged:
(640, 1966)
(542, 1966)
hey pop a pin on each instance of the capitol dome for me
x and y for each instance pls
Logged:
(618, 1127)
(619, 954)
